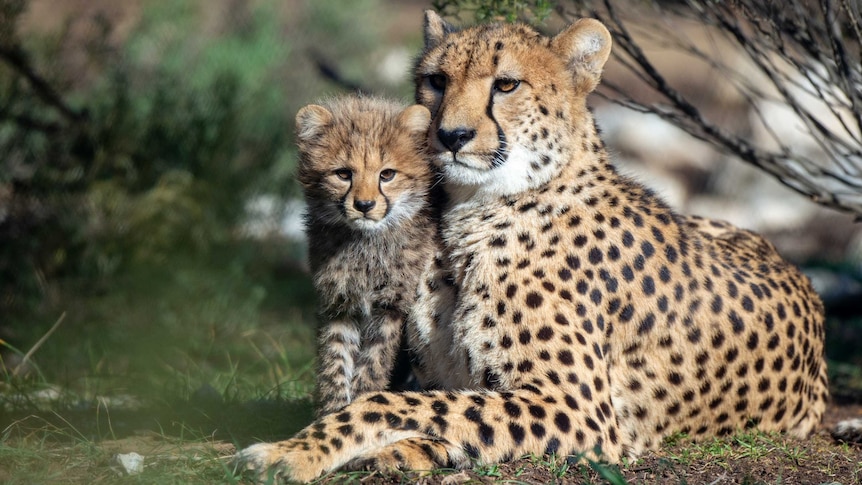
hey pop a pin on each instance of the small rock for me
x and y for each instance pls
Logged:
(128, 463)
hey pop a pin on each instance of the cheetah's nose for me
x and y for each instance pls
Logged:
(455, 139)
(364, 205)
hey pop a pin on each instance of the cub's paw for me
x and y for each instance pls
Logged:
(282, 460)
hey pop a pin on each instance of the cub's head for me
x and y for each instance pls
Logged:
(363, 161)
(508, 104)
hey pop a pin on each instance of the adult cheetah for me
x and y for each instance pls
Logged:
(591, 319)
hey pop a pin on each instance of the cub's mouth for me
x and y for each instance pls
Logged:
(365, 222)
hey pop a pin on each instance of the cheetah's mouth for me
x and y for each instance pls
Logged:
(480, 162)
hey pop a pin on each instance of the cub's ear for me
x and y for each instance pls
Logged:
(310, 122)
(585, 46)
(415, 118)
(435, 29)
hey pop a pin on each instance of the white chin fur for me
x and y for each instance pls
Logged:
(514, 176)
(368, 224)
(403, 209)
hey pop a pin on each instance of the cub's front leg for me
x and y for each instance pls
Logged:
(381, 340)
(338, 346)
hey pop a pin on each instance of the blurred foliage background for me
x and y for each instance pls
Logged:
(146, 172)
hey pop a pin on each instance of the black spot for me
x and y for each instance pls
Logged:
(486, 434)
(552, 446)
(371, 417)
(736, 322)
(595, 255)
(517, 433)
(537, 412)
(538, 430)
(646, 324)
(627, 272)
(533, 300)
(586, 392)
(440, 407)
(717, 303)
(647, 249)
(753, 339)
(545, 333)
(627, 313)
(717, 340)
(648, 285)
(670, 253)
(393, 420)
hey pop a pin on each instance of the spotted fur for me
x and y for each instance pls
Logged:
(589, 318)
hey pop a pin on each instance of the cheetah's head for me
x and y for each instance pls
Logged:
(363, 162)
(506, 101)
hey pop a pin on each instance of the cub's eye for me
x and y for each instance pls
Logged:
(344, 173)
(437, 81)
(506, 85)
(387, 174)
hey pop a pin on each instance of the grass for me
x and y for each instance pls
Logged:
(178, 363)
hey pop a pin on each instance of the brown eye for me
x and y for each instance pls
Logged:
(506, 85)
(387, 174)
(344, 173)
(437, 81)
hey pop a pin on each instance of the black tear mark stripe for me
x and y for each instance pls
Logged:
(385, 198)
(502, 153)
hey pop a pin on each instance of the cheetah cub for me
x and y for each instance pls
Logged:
(366, 177)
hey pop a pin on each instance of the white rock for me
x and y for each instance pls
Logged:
(129, 463)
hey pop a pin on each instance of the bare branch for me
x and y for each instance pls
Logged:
(15, 57)
(809, 65)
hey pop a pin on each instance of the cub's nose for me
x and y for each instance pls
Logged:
(364, 205)
(455, 139)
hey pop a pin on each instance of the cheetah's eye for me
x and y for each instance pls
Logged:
(387, 174)
(506, 85)
(344, 173)
(437, 81)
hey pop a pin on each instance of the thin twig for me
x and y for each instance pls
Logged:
(38, 344)
(15, 57)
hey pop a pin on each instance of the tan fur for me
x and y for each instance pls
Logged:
(587, 314)
(366, 264)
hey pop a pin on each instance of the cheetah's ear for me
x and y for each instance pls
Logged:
(415, 119)
(435, 29)
(585, 45)
(310, 122)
